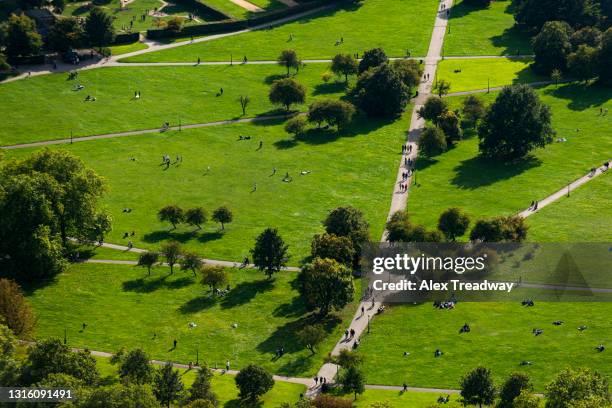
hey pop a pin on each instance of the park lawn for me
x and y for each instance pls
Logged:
(585, 216)
(235, 11)
(125, 48)
(473, 74)
(485, 31)
(398, 399)
(459, 178)
(123, 307)
(394, 25)
(168, 94)
(500, 338)
(355, 168)
(96, 252)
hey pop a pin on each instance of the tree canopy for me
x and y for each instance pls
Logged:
(325, 285)
(270, 252)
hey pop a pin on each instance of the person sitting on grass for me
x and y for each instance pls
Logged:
(438, 353)
(465, 328)
(600, 348)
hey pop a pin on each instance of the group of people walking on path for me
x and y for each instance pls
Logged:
(408, 163)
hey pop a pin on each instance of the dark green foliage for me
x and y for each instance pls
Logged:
(410, 72)
(99, 27)
(453, 223)
(15, 310)
(296, 125)
(500, 229)
(171, 251)
(477, 387)
(134, 367)
(583, 63)
(573, 386)
(400, 229)
(432, 141)
(552, 46)
(201, 388)
(512, 388)
(344, 64)
(433, 108)
(590, 36)
(270, 251)
(287, 92)
(381, 92)
(196, 216)
(120, 396)
(167, 385)
(191, 262)
(21, 37)
(253, 381)
(352, 380)
(348, 222)
(223, 215)
(578, 13)
(311, 335)
(449, 123)
(333, 247)
(214, 276)
(148, 259)
(66, 33)
(331, 111)
(473, 109)
(289, 59)
(372, 59)
(605, 58)
(172, 214)
(325, 285)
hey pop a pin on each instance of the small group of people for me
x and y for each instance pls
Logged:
(438, 353)
(444, 305)
(406, 149)
(534, 205)
(444, 400)
(465, 328)
(321, 380)
(128, 234)
(340, 41)
(127, 210)
(136, 94)
(280, 352)
(558, 322)
(349, 334)
(90, 98)
(537, 332)
(528, 302)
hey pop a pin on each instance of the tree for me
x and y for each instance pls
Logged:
(15, 311)
(296, 125)
(172, 214)
(191, 262)
(214, 276)
(380, 91)
(442, 87)
(21, 37)
(477, 387)
(175, 24)
(605, 58)
(473, 109)
(196, 217)
(253, 381)
(168, 384)
(372, 59)
(516, 123)
(333, 247)
(478, 3)
(310, 336)
(353, 381)
(556, 76)
(289, 59)
(575, 385)
(432, 141)
(400, 229)
(101, 224)
(270, 252)
(334, 112)
(516, 384)
(511, 229)
(583, 63)
(551, 47)
(99, 27)
(325, 284)
(135, 367)
(348, 222)
(9, 364)
(590, 36)
(410, 72)
(433, 108)
(4, 65)
(171, 251)
(449, 123)
(526, 400)
(287, 92)
(201, 389)
(535, 13)
(119, 395)
(344, 64)
(453, 223)
(65, 34)
(329, 401)
(223, 215)
(148, 259)
(52, 357)
(347, 358)
(58, 6)
(244, 102)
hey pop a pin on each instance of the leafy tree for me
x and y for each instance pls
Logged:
(101, 224)
(433, 108)
(9, 364)
(244, 100)
(575, 385)
(296, 125)
(432, 141)
(310, 336)
(442, 87)
(58, 6)
(15, 311)
(172, 214)
(334, 112)
(223, 215)
(590, 36)
(535, 13)
(168, 384)
(289, 59)
(477, 387)
(135, 367)
(21, 37)
(516, 384)
(605, 58)
(526, 400)
(409, 71)
(171, 251)
(556, 76)
(583, 63)
(148, 259)
(473, 109)
(329, 401)
(344, 64)
(191, 262)
(478, 3)
(196, 216)
(325, 284)
(52, 357)
(175, 25)
(270, 252)
(453, 223)
(511, 229)
(214, 276)
(287, 92)
(516, 123)
(371, 59)
(99, 27)
(333, 247)
(65, 34)
(400, 229)
(449, 123)
(348, 222)
(353, 381)
(201, 389)
(380, 91)
(552, 46)
(253, 381)
(119, 395)
(347, 358)
(4, 65)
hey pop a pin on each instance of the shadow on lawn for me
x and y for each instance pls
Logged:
(329, 87)
(478, 171)
(164, 235)
(144, 285)
(581, 96)
(197, 304)
(245, 292)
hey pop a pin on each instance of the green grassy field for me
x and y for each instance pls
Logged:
(125, 48)
(238, 12)
(397, 399)
(355, 168)
(125, 308)
(485, 31)
(468, 75)
(172, 94)
(395, 25)
(485, 189)
(500, 338)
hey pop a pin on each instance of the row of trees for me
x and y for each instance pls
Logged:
(195, 217)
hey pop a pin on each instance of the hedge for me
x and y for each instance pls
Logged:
(126, 38)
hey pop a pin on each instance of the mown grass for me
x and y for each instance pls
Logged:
(235, 11)
(394, 25)
(123, 307)
(125, 48)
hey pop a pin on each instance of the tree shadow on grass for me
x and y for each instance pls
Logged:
(285, 144)
(157, 236)
(238, 403)
(197, 304)
(424, 162)
(295, 308)
(581, 96)
(275, 77)
(210, 236)
(329, 87)
(144, 285)
(513, 39)
(245, 292)
(479, 172)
